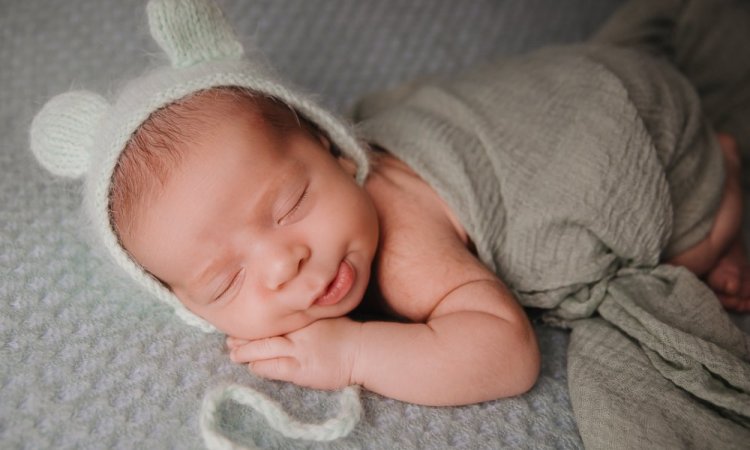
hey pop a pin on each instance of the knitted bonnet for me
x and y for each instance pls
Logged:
(81, 134)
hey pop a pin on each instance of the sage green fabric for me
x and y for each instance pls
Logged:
(575, 171)
(708, 40)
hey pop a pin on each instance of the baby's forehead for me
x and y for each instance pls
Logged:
(199, 115)
(232, 100)
(212, 103)
(157, 147)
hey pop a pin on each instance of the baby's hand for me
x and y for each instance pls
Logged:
(319, 356)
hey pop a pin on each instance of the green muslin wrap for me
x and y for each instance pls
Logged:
(575, 170)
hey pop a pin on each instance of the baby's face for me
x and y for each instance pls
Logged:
(258, 233)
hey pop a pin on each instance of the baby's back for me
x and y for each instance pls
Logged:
(561, 164)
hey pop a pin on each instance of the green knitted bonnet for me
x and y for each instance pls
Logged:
(80, 134)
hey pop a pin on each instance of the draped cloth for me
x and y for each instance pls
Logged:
(575, 171)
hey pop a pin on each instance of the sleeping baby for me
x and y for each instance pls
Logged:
(253, 211)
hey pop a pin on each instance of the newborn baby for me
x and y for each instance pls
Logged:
(257, 224)
(221, 188)
(254, 220)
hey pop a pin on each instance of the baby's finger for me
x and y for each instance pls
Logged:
(268, 348)
(726, 301)
(742, 305)
(233, 342)
(734, 303)
(275, 369)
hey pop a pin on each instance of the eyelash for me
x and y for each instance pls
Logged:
(232, 283)
(296, 205)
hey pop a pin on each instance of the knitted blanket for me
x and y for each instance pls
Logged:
(575, 170)
(87, 360)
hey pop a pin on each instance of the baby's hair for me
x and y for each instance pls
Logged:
(154, 149)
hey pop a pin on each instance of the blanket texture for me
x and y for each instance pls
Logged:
(575, 171)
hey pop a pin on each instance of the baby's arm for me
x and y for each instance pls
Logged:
(475, 345)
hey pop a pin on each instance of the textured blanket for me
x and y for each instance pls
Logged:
(88, 360)
(575, 171)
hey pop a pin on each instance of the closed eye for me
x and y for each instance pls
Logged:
(296, 206)
(234, 283)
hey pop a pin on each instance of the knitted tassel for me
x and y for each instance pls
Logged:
(350, 411)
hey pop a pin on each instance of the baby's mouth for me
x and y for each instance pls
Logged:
(338, 287)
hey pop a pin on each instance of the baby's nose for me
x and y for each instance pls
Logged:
(283, 264)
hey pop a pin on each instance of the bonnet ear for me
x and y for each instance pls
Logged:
(192, 31)
(189, 32)
(62, 132)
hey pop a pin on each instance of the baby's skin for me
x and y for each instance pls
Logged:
(266, 235)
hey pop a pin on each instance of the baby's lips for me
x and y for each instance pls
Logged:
(339, 286)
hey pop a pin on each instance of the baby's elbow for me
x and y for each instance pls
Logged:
(527, 362)
(529, 370)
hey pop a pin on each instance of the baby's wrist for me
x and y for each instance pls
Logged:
(356, 374)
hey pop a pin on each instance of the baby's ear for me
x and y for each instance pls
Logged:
(348, 165)
(325, 142)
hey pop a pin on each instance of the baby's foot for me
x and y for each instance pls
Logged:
(730, 278)
(732, 157)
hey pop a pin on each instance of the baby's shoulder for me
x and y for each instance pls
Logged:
(405, 202)
(423, 250)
